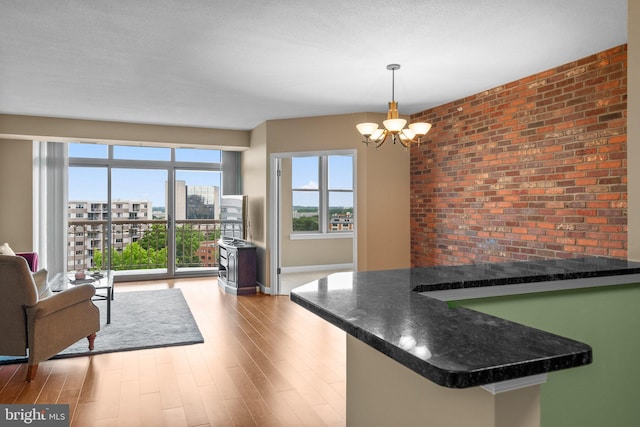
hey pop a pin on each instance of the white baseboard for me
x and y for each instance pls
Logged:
(312, 268)
(262, 288)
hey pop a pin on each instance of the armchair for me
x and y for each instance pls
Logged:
(36, 321)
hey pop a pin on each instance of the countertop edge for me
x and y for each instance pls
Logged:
(417, 289)
(450, 378)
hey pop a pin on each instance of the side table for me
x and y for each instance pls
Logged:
(101, 280)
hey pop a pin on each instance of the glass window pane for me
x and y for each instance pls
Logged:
(197, 155)
(305, 211)
(87, 217)
(340, 173)
(88, 151)
(89, 184)
(197, 195)
(304, 173)
(340, 211)
(197, 207)
(139, 185)
(141, 153)
(138, 241)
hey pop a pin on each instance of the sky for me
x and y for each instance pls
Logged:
(90, 183)
(305, 175)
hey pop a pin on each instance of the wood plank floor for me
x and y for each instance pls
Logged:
(265, 362)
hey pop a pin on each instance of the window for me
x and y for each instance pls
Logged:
(116, 185)
(322, 194)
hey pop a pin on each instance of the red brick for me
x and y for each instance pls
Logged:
(532, 169)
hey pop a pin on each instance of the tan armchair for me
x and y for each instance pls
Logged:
(34, 318)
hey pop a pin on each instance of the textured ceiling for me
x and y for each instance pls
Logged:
(233, 64)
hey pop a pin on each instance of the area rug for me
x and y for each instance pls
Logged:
(139, 319)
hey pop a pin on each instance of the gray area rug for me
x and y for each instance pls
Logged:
(139, 319)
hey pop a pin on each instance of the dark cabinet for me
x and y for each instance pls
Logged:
(237, 267)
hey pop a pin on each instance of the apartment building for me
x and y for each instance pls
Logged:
(87, 228)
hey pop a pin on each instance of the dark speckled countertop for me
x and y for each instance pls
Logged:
(453, 347)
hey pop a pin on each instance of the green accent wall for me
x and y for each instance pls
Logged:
(604, 393)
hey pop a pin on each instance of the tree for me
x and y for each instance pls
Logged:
(133, 257)
(187, 244)
(155, 237)
(305, 223)
(151, 250)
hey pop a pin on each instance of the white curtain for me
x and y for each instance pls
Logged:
(50, 171)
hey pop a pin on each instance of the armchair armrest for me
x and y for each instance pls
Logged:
(61, 300)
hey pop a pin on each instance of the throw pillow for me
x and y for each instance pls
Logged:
(6, 250)
(40, 278)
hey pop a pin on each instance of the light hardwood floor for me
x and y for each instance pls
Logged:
(265, 362)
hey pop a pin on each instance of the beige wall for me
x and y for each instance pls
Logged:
(633, 130)
(382, 203)
(16, 200)
(254, 185)
(382, 181)
(57, 129)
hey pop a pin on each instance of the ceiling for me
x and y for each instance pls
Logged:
(232, 64)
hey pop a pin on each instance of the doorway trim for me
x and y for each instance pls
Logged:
(274, 244)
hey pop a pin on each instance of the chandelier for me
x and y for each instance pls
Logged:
(393, 126)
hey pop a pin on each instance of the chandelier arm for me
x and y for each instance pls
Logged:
(378, 141)
(405, 144)
(382, 139)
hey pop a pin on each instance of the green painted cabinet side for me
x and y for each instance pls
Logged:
(605, 393)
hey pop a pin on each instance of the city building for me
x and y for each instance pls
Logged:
(341, 222)
(208, 253)
(196, 201)
(87, 226)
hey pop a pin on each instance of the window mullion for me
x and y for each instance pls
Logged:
(324, 194)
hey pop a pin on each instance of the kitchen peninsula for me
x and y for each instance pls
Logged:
(413, 358)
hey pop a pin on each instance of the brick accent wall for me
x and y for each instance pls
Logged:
(532, 169)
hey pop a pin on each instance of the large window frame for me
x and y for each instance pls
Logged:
(110, 160)
(324, 192)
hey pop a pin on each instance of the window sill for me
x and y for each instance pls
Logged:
(320, 236)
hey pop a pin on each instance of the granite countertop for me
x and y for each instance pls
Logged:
(453, 347)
